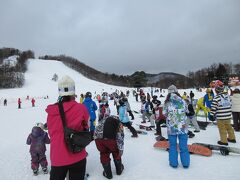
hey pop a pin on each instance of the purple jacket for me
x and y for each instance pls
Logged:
(37, 140)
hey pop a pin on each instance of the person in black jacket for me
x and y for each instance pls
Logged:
(109, 139)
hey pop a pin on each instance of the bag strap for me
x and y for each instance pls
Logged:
(62, 114)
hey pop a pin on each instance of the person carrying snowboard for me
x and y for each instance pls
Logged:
(37, 140)
(221, 111)
(175, 110)
(109, 139)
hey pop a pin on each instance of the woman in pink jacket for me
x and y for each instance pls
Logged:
(77, 117)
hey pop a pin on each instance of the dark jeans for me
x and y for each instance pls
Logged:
(158, 126)
(129, 126)
(131, 114)
(107, 147)
(76, 171)
(236, 120)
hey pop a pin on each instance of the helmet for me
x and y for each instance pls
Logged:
(219, 86)
(88, 94)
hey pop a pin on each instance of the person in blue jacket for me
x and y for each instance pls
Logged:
(124, 118)
(207, 100)
(91, 107)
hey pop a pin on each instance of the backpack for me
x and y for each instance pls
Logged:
(224, 101)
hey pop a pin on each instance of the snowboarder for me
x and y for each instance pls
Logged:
(236, 109)
(191, 118)
(37, 140)
(159, 118)
(145, 111)
(125, 99)
(221, 111)
(92, 107)
(81, 98)
(109, 139)
(19, 103)
(123, 116)
(207, 100)
(104, 111)
(175, 110)
(5, 102)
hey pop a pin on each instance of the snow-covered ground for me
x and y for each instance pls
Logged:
(140, 159)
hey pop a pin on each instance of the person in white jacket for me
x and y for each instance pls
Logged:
(236, 109)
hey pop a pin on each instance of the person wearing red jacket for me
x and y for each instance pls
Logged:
(159, 118)
(19, 103)
(77, 118)
(33, 102)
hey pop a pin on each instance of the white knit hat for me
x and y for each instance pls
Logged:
(172, 89)
(66, 86)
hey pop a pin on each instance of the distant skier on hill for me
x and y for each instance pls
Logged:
(19, 103)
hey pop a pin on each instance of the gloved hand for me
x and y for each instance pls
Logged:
(224, 151)
(95, 123)
(211, 118)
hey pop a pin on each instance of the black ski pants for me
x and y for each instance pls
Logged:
(76, 171)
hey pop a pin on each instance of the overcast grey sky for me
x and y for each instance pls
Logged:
(123, 36)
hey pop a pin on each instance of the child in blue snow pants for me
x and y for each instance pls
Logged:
(173, 150)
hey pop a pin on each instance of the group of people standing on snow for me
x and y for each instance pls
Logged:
(176, 112)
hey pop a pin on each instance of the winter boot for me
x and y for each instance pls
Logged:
(35, 172)
(107, 171)
(191, 134)
(45, 170)
(119, 166)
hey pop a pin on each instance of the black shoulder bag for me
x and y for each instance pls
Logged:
(76, 141)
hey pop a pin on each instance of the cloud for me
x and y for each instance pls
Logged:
(125, 36)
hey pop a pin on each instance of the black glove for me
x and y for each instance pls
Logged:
(224, 151)
(211, 118)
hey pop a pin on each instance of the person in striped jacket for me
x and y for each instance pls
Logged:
(221, 110)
